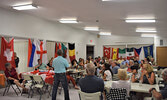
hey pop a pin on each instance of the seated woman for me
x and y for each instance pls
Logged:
(81, 65)
(136, 73)
(41, 65)
(13, 76)
(131, 63)
(74, 64)
(70, 78)
(106, 72)
(148, 76)
(123, 82)
(50, 64)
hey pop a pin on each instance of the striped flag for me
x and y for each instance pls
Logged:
(122, 52)
(129, 53)
(71, 51)
(115, 53)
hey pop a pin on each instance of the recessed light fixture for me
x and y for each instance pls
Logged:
(105, 33)
(68, 20)
(140, 20)
(148, 35)
(91, 28)
(151, 30)
(25, 7)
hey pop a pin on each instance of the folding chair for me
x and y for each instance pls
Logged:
(8, 85)
(29, 83)
(39, 84)
(89, 96)
(117, 94)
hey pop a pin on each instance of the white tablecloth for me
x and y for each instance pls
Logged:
(134, 87)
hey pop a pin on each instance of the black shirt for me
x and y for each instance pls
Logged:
(17, 62)
(91, 84)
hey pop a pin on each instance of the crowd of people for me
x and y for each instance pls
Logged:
(98, 71)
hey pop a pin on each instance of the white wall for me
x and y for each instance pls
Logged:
(21, 25)
(121, 41)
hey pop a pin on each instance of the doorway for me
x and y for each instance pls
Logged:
(89, 51)
(161, 56)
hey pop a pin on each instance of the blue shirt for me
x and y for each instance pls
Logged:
(60, 64)
(124, 62)
(115, 69)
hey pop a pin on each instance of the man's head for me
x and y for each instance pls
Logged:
(8, 66)
(39, 61)
(137, 58)
(131, 62)
(114, 63)
(15, 55)
(120, 58)
(59, 52)
(152, 59)
(90, 69)
(164, 74)
(110, 61)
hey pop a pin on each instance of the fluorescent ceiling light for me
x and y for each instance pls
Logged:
(148, 35)
(68, 20)
(140, 20)
(105, 33)
(146, 30)
(91, 28)
(25, 7)
(106, 0)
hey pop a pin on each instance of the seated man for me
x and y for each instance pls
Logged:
(163, 92)
(115, 67)
(13, 76)
(91, 83)
(41, 65)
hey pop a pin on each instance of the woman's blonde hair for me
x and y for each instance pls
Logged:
(148, 68)
(122, 74)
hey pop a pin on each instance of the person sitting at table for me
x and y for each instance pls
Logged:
(114, 67)
(50, 64)
(13, 76)
(131, 63)
(90, 83)
(107, 73)
(81, 65)
(74, 64)
(41, 65)
(163, 92)
(120, 60)
(148, 76)
(152, 62)
(96, 61)
(123, 82)
(136, 73)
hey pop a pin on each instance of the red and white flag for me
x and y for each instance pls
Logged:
(7, 53)
(106, 52)
(40, 52)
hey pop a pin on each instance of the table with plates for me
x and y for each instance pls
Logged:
(136, 87)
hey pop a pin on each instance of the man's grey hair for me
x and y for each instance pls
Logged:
(59, 52)
(6, 65)
(90, 68)
(131, 61)
(164, 72)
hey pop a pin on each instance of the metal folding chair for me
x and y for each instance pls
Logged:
(8, 85)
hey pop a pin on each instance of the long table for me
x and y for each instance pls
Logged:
(136, 87)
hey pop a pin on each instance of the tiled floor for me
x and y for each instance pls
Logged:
(12, 96)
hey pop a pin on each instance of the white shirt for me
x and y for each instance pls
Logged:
(122, 84)
(108, 75)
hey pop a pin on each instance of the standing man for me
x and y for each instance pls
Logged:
(60, 64)
(16, 61)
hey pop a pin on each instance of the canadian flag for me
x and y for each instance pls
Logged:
(7, 53)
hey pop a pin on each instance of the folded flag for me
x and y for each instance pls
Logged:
(71, 51)
(106, 52)
(122, 52)
(115, 53)
(129, 53)
(148, 51)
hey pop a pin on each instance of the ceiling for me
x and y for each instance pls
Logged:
(110, 14)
